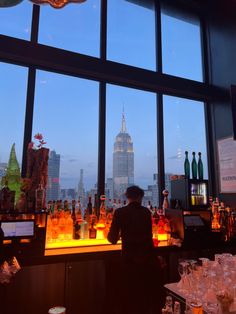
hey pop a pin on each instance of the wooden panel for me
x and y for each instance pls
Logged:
(34, 290)
(85, 287)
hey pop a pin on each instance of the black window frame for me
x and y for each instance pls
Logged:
(36, 56)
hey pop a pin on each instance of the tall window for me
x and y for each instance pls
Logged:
(16, 21)
(66, 113)
(184, 130)
(131, 150)
(181, 45)
(12, 111)
(76, 27)
(131, 33)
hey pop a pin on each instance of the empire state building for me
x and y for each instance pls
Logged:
(123, 161)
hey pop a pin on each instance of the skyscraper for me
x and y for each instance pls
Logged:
(53, 187)
(3, 169)
(81, 192)
(123, 161)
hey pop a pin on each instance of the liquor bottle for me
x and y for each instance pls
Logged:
(165, 204)
(101, 225)
(92, 232)
(66, 205)
(186, 166)
(76, 231)
(200, 167)
(93, 216)
(194, 167)
(40, 197)
(89, 206)
(78, 212)
(73, 216)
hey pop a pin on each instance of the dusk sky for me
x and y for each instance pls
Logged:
(66, 108)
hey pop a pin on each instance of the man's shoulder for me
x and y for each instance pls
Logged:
(126, 208)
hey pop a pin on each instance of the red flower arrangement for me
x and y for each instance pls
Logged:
(38, 137)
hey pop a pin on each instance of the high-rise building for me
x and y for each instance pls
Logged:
(53, 187)
(109, 189)
(68, 194)
(81, 191)
(123, 161)
(3, 169)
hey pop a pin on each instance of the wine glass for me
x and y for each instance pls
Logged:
(182, 269)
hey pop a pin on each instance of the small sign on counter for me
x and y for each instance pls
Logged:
(227, 164)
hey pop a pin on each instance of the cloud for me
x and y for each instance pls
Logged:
(26, 30)
(90, 164)
(73, 160)
(43, 81)
(174, 157)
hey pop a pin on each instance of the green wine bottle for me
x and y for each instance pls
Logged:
(200, 167)
(186, 166)
(194, 167)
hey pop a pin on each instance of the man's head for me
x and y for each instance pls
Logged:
(134, 194)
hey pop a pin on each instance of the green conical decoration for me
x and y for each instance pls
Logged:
(13, 175)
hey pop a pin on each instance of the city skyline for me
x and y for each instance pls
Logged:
(66, 109)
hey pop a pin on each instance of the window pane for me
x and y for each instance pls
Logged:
(12, 109)
(131, 33)
(181, 45)
(184, 130)
(16, 21)
(66, 113)
(131, 150)
(76, 27)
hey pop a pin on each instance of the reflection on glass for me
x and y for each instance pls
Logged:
(66, 113)
(76, 27)
(131, 33)
(181, 45)
(184, 130)
(131, 152)
(16, 21)
(12, 112)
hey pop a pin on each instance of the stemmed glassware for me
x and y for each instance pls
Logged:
(210, 283)
(8, 269)
(182, 269)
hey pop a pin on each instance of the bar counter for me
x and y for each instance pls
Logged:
(85, 279)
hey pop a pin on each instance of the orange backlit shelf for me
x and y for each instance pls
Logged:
(162, 237)
(77, 243)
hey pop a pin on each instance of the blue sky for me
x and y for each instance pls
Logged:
(66, 108)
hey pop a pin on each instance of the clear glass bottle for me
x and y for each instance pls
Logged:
(40, 197)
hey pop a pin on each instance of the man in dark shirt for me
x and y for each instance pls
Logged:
(134, 225)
